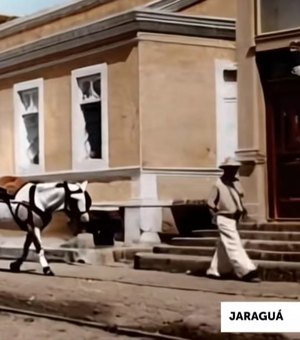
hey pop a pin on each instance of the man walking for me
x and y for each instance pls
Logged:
(227, 207)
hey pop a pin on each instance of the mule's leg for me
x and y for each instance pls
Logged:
(16, 265)
(41, 253)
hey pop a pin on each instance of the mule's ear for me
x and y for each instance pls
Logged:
(83, 185)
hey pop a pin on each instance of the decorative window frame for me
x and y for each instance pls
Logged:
(258, 24)
(226, 93)
(78, 124)
(21, 167)
(257, 17)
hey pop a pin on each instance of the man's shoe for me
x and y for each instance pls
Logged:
(213, 276)
(252, 276)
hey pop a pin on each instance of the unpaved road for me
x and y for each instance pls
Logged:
(18, 327)
(137, 299)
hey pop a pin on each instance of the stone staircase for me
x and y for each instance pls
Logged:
(274, 247)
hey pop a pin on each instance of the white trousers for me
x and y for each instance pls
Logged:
(230, 254)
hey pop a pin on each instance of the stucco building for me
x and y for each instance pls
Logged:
(137, 96)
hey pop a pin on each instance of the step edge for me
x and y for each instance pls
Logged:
(277, 252)
(186, 258)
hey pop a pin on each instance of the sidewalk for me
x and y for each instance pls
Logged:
(72, 250)
(173, 303)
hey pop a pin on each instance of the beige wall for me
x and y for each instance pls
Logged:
(214, 8)
(58, 147)
(177, 101)
(6, 132)
(113, 191)
(122, 110)
(184, 187)
(123, 107)
(96, 13)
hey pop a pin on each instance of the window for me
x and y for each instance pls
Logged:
(230, 76)
(29, 125)
(277, 15)
(89, 118)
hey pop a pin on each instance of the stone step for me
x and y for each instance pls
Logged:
(184, 250)
(245, 225)
(209, 251)
(205, 233)
(270, 226)
(255, 234)
(269, 270)
(285, 246)
(194, 241)
(170, 262)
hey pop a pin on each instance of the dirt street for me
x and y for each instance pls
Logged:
(28, 328)
(153, 301)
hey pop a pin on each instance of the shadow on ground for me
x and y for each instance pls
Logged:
(83, 310)
(186, 330)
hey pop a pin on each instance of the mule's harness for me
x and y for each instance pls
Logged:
(31, 207)
(69, 194)
(44, 215)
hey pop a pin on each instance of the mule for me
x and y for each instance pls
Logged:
(32, 208)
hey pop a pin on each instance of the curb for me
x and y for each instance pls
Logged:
(94, 256)
(65, 255)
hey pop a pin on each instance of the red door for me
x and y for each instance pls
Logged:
(283, 129)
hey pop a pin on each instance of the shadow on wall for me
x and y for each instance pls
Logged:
(183, 217)
(191, 215)
(106, 226)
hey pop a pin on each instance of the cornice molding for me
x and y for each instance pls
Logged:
(193, 172)
(47, 16)
(183, 40)
(78, 6)
(212, 22)
(103, 175)
(278, 39)
(250, 156)
(142, 36)
(120, 173)
(117, 28)
(70, 57)
(172, 5)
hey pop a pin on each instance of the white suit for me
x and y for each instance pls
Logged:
(226, 203)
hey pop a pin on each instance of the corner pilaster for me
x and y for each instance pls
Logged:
(143, 221)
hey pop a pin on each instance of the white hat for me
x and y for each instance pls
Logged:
(230, 161)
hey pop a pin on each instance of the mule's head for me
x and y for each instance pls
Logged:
(77, 200)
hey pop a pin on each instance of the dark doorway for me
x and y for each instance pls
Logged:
(282, 97)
